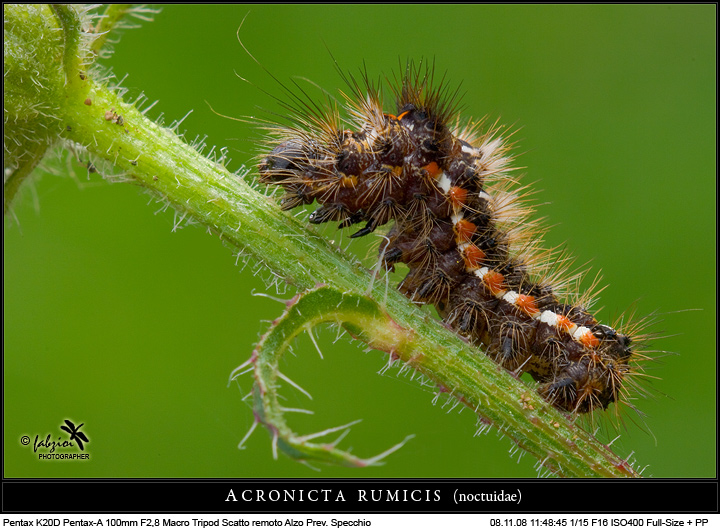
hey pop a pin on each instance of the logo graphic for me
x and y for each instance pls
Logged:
(60, 447)
(75, 433)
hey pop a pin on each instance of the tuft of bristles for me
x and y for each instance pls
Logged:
(462, 225)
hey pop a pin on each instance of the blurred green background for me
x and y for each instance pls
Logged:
(115, 321)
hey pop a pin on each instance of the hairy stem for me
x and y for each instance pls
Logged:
(112, 15)
(16, 177)
(72, 32)
(455, 367)
(366, 321)
(158, 160)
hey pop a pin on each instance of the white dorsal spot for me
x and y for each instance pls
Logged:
(444, 182)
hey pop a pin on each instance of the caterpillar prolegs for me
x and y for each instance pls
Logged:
(464, 234)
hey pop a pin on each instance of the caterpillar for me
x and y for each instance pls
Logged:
(465, 235)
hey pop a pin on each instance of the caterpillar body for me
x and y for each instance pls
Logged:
(464, 234)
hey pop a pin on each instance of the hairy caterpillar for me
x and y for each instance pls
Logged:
(464, 234)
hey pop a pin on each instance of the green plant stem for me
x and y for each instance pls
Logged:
(112, 15)
(17, 176)
(158, 160)
(72, 32)
(366, 322)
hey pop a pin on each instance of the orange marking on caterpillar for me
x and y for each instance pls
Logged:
(464, 230)
(473, 257)
(433, 169)
(564, 322)
(590, 340)
(495, 282)
(458, 196)
(527, 305)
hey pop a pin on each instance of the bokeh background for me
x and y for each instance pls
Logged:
(113, 320)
